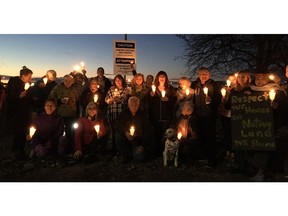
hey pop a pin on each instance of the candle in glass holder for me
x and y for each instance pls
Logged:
(179, 135)
(223, 92)
(32, 131)
(115, 92)
(228, 82)
(132, 130)
(187, 91)
(205, 89)
(95, 98)
(45, 79)
(163, 93)
(272, 95)
(153, 88)
(97, 128)
(26, 87)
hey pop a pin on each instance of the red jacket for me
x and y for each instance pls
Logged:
(85, 132)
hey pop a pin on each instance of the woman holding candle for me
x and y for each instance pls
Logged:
(18, 110)
(139, 90)
(241, 86)
(93, 94)
(41, 90)
(90, 134)
(49, 126)
(132, 132)
(116, 99)
(66, 95)
(183, 93)
(161, 108)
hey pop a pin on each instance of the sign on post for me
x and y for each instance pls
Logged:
(124, 57)
(252, 122)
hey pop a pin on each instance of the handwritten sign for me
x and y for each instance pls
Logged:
(252, 122)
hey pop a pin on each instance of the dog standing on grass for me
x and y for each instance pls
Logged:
(171, 147)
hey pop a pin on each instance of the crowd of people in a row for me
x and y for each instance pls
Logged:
(132, 117)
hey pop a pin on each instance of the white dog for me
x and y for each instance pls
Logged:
(171, 147)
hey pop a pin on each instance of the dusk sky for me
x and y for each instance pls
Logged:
(62, 52)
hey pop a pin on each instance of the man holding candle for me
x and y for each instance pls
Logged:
(206, 109)
(41, 90)
(18, 110)
(132, 132)
(90, 134)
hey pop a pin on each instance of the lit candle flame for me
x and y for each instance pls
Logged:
(223, 92)
(187, 91)
(271, 77)
(45, 79)
(132, 130)
(153, 88)
(95, 98)
(228, 82)
(75, 125)
(236, 75)
(97, 128)
(26, 87)
(163, 93)
(82, 64)
(272, 95)
(205, 89)
(32, 131)
(179, 135)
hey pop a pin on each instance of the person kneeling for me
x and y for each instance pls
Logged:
(90, 134)
(131, 132)
(48, 139)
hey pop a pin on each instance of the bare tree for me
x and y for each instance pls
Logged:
(224, 54)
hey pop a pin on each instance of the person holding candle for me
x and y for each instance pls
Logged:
(66, 95)
(161, 109)
(49, 125)
(186, 124)
(241, 86)
(139, 90)
(93, 94)
(206, 110)
(41, 90)
(87, 139)
(18, 110)
(183, 93)
(116, 99)
(261, 160)
(103, 82)
(149, 81)
(132, 132)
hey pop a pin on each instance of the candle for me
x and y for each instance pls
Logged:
(163, 93)
(95, 98)
(153, 88)
(179, 135)
(271, 77)
(228, 82)
(82, 64)
(115, 92)
(45, 79)
(26, 87)
(132, 131)
(272, 95)
(223, 92)
(205, 89)
(97, 128)
(187, 91)
(236, 75)
(32, 131)
(98, 86)
(75, 125)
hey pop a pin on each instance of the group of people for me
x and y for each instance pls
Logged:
(131, 117)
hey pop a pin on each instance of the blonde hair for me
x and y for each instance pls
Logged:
(185, 79)
(91, 106)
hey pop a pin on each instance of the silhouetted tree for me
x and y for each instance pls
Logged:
(227, 53)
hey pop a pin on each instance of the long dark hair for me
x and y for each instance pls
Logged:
(156, 82)
(119, 76)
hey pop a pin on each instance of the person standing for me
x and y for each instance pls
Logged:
(103, 82)
(18, 112)
(207, 98)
